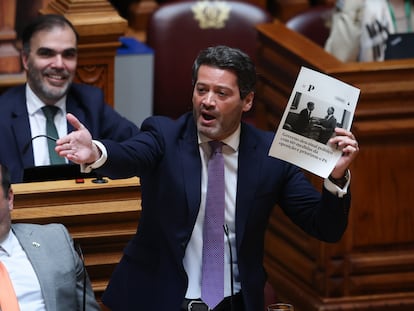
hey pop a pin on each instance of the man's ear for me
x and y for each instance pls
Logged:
(11, 199)
(24, 58)
(248, 102)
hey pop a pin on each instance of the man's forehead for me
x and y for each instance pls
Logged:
(208, 74)
(55, 36)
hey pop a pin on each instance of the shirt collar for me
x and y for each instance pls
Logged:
(34, 103)
(6, 245)
(231, 141)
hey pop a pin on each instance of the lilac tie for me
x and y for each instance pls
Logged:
(212, 282)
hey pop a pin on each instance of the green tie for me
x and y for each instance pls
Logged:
(50, 112)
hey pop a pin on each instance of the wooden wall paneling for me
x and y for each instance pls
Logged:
(9, 56)
(139, 14)
(285, 9)
(96, 67)
(372, 267)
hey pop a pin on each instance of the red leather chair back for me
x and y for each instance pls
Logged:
(312, 23)
(178, 31)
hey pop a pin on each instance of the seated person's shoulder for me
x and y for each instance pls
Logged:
(52, 229)
(13, 92)
(85, 88)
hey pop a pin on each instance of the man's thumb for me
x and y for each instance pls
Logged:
(74, 121)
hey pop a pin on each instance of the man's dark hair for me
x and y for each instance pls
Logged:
(310, 104)
(227, 58)
(44, 22)
(5, 180)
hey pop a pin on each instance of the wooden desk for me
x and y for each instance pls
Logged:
(372, 268)
(101, 217)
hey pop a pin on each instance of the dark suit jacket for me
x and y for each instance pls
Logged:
(166, 156)
(85, 102)
(302, 121)
(329, 125)
(57, 266)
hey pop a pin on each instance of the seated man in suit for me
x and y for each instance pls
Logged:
(49, 58)
(45, 271)
(327, 126)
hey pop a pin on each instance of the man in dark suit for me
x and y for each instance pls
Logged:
(327, 126)
(303, 121)
(49, 57)
(45, 270)
(162, 267)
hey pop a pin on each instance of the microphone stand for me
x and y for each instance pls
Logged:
(26, 147)
(226, 232)
(99, 180)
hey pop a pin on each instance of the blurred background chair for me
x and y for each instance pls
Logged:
(312, 23)
(178, 31)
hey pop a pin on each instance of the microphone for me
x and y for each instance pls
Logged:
(79, 251)
(26, 147)
(226, 232)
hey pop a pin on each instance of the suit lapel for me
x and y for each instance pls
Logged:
(21, 129)
(191, 164)
(32, 245)
(247, 179)
(187, 163)
(73, 107)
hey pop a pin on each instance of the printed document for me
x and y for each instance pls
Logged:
(317, 105)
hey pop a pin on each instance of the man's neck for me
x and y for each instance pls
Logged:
(4, 231)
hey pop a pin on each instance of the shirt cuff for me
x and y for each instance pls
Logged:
(87, 168)
(336, 190)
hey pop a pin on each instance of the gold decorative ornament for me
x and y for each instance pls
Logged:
(211, 14)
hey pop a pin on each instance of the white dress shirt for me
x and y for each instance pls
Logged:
(193, 255)
(22, 275)
(37, 121)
